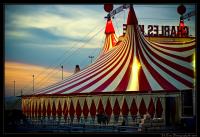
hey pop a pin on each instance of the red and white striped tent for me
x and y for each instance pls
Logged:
(130, 77)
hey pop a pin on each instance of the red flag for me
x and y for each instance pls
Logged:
(32, 110)
(116, 108)
(100, 107)
(151, 108)
(78, 110)
(48, 110)
(44, 109)
(93, 109)
(65, 111)
(142, 108)
(133, 109)
(159, 108)
(59, 110)
(85, 109)
(108, 109)
(36, 109)
(71, 109)
(54, 110)
(125, 108)
(39, 110)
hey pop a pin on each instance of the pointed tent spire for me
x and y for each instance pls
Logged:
(111, 38)
(109, 27)
(181, 24)
(132, 19)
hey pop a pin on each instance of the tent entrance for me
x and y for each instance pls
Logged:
(172, 112)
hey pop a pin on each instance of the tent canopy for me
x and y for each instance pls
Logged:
(133, 64)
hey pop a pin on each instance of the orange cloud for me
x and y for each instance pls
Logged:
(23, 75)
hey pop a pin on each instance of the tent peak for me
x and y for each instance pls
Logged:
(132, 19)
(109, 27)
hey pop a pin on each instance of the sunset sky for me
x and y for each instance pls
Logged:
(41, 38)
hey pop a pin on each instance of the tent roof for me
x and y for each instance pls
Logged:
(134, 64)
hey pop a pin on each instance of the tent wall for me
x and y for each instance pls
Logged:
(29, 104)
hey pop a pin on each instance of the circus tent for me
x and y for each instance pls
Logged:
(130, 77)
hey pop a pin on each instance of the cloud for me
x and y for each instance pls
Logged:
(55, 26)
(82, 21)
(18, 34)
(22, 74)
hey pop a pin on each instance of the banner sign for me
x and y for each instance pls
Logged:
(165, 31)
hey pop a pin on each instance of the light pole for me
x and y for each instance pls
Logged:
(91, 58)
(33, 83)
(62, 71)
(14, 87)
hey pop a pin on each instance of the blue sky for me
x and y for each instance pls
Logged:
(50, 35)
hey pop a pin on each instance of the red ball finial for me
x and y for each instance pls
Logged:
(181, 9)
(108, 7)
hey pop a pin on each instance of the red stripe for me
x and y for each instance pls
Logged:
(92, 76)
(105, 84)
(125, 80)
(82, 76)
(101, 77)
(88, 69)
(162, 82)
(172, 55)
(180, 49)
(169, 54)
(180, 79)
(170, 63)
(114, 41)
(143, 82)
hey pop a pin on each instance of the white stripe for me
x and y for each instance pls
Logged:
(76, 77)
(133, 80)
(98, 70)
(83, 71)
(152, 82)
(170, 79)
(170, 68)
(113, 85)
(94, 86)
(177, 61)
(172, 45)
(177, 53)
(94, 78)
